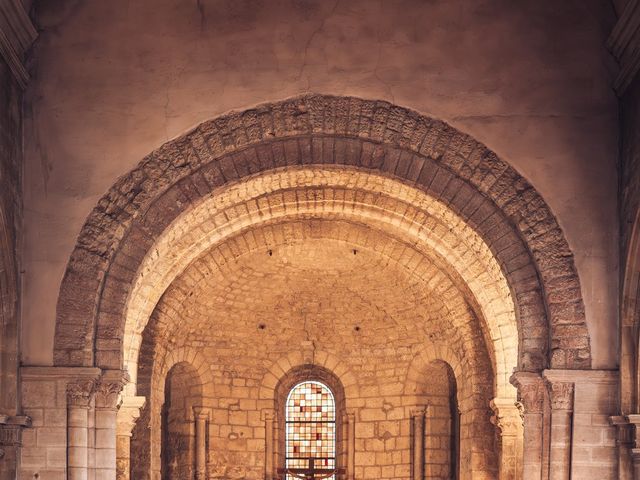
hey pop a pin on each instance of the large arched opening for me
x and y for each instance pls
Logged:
(269, 225)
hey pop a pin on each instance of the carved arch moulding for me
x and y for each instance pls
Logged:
(318, 131)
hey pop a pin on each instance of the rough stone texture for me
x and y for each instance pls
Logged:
(450, 166)
(113, 80)
(382, 210)
(354, 315)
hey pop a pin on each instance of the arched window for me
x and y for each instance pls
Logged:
(310, 430)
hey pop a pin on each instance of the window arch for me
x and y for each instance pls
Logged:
(310, 427)
(310, 406)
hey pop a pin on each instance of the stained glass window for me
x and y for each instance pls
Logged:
(311, 427)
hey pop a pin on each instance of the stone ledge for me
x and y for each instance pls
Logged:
(38, 373)
(583, 376)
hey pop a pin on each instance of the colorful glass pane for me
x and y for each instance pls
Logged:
(311, 427)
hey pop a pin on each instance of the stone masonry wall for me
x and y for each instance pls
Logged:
(360, 314)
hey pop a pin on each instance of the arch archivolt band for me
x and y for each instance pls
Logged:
(484, 191)
(423, 223)
(471, 232)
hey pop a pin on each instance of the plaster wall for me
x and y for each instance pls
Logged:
(114, 80)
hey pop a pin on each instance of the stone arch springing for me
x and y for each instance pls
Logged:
(375, 136)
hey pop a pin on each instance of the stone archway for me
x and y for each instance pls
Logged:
(489, 195)
(432, 191)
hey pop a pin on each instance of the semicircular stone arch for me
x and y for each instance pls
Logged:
(472, 181)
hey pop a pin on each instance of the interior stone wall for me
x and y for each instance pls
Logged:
(114, 80)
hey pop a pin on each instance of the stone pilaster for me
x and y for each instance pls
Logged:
(508, 418)
(126, 417)
(561, 398)
(531, 392)
(201, 418)
(417, 443)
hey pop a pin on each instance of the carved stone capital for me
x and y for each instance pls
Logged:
(418, 412)
(201, 413)
(80, 393)
(10, 435)
(108, 388)
(560, 394)
(624, 430)
(507, 416)
(106, 394)
(531, 391)
(128, 414)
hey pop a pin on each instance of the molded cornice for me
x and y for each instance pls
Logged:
(17, 33)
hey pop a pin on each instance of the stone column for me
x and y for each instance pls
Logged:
(508, 418)
(561, 397)
(126, 417)
(417, 443)
(269, 447)
(79, 397)
(531, 391)
(201, 418)
(106, 408)
(350, 419)
(624, 443)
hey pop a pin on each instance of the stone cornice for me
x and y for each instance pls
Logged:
(17, 33)
(624, 43)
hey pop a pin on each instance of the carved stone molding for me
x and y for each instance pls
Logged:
(531, 391)
(80, 393)
(624, 44)
(17, 33)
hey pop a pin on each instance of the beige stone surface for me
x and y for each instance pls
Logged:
(512, 77)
